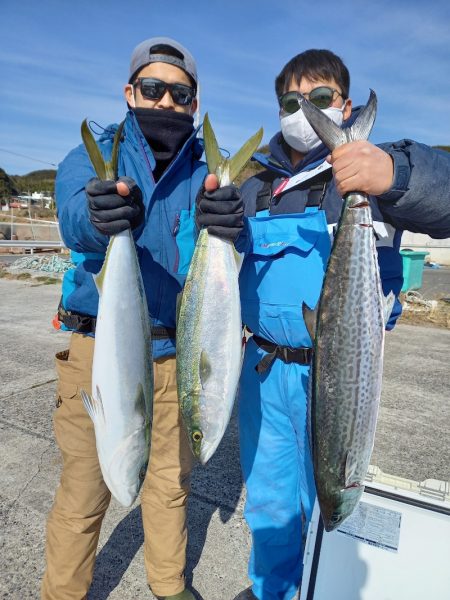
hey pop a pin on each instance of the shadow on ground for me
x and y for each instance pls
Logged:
(218, 485)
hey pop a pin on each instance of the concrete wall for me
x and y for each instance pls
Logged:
(439, 250)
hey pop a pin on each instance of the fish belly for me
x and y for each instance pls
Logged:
(209, 332)
(122, 355)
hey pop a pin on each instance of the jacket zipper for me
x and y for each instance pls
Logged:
(175, 230)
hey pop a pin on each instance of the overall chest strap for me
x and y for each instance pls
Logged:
(316, 194)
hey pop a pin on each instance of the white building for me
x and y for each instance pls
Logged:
(439, 250)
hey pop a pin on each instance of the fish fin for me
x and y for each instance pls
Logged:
(94, 406)
(100, 276)
(309, 427)
(214, 158)
(141, 407)
(239, 258)
(310, 318)
(178, 306)
(331, 134)
(204, 368)
(351, 463)
(227, 169)
(101, 167)
(139, 400)
(388, 305)
(115, 151)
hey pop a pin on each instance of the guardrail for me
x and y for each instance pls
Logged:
(31, 244)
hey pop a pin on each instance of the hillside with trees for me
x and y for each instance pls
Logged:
(7, 185)
(36, 181)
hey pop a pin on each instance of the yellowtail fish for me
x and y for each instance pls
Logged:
(122, 376)
(209, 327)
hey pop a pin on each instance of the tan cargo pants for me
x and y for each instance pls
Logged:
(82, 497)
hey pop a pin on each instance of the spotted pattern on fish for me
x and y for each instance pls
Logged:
(347, 366)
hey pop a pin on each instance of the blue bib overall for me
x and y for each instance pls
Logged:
(284, 268)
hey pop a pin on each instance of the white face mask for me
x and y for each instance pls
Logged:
(299, 134)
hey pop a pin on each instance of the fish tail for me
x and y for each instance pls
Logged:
(244, 154)
(330, 133)
(214, 157)
(227, 169)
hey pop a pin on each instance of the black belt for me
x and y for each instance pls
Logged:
(301, 356)
(76, 321)
(86, 324)
(159, 332)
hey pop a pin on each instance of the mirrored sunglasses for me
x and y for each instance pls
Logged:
(322, 97)
(154, 89)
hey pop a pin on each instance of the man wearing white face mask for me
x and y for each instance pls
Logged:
(290, 211)
(296, 130)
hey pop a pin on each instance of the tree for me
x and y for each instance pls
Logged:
(7, 187)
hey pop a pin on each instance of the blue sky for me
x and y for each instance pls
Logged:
(62, 61)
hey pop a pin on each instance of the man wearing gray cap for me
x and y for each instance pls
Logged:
(159, 176)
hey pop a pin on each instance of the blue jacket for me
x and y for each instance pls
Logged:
(271, 290)
(164, 243)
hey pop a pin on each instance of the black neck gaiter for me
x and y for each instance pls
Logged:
(165, 131)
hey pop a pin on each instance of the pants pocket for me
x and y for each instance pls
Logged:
(65, 390)
(74, 430)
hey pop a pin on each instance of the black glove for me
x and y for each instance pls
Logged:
(110, 212)
(221, 212)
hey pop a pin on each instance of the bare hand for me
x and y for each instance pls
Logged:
(122, 188)
(211, 182)
(362, 167)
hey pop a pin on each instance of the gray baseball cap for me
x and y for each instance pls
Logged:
(153, 50)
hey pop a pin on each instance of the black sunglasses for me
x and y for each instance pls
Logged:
(154, 89)
(322, 97)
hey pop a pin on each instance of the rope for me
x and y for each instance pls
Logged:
(415, 301)
(52, 264)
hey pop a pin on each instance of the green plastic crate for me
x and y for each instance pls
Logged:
(412, 269)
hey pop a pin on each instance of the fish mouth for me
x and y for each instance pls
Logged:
(336, 509)
(125, 497)
(206, 451)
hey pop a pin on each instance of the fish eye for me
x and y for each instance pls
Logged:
(335, 518)
(197, 436)
(142, 472)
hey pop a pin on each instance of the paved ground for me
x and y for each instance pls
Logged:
(412, 441)
(435, 283)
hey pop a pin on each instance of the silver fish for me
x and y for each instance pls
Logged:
(122, 377)
(348, 331)
(209, 327)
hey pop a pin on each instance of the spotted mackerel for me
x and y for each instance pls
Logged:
(348, 331)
